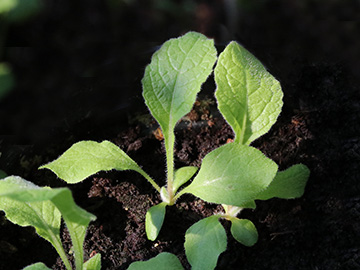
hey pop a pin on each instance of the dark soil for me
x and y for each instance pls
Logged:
(79, 78)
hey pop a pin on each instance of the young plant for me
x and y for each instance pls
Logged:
(250, 99)
(26, 204)
(234, 175)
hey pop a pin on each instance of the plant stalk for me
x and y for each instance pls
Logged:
(151, 181)
(169, 146)
(60, 250)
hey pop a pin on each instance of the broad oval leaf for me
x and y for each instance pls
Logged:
(163, 261)
(204, 242)
(86, 158)
(183, 175)
(37, 266)
(244, 231)
(288, 184)
(175, 75)
(232, 174)
(249, 97)
(154, 220)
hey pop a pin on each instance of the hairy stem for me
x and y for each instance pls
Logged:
(169, 146)
(151, 181)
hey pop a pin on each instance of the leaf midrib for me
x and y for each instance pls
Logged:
(175, 84)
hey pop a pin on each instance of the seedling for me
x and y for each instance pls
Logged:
(26, 204)
(234, 175)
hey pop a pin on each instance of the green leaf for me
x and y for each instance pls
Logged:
(172, 81)
(37, 266)
(232, 174)
(183, 175)
(249, 204)
(287, 184)
(249, 97)
(86, 158)
(94, 263)
(163, 261)
(175, 75)
(26, 204)
(204, 242)
(7, 80)
(244, 231)
(154, 220)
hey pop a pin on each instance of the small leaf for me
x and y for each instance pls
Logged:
(163, 261)
(204, 242)
(287, 184)
(37, 266)
(86, 158)
(183, 175)
(232, 174)
(94, 263)
(175, 75)
(249, 97)
(244, 231)
(154, 220)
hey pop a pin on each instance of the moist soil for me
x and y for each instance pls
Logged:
(317, 127)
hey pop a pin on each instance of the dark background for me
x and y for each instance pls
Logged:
(83, 60)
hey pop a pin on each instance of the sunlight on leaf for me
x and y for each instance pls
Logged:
(249, 97)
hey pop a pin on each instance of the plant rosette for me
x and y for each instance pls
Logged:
(233, 175)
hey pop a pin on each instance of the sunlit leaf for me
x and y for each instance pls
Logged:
(249, 97)
(175, 75)
(86, 158)
(26, 204)
(232, 174)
